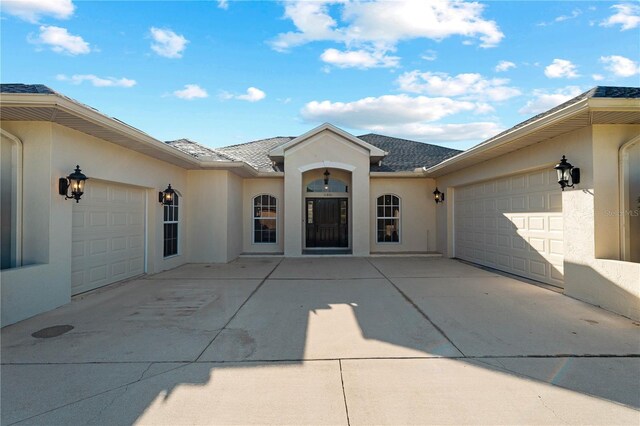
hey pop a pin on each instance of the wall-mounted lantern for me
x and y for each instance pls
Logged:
(166, 197)
(567, 174)
(326, 179)
(438, 196)
(75, 182)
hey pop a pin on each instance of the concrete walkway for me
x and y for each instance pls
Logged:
(324, 341)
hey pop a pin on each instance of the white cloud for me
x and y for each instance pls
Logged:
(627, 16)
(60, 41)
(402, 115)
(574, 14)
(33, 10)
(620, 66)
(223, 4)
(358, 59)
(167, 43)
(252, 94)
(475, 131)
(190, 92)
(97, 81)
(430, 55)
(504, 66)
(385, 110)
(377, 26)
(468, 86)
(561, 68)
(597, 77)
(544, 100)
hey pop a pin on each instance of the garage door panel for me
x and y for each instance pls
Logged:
(107, 236)
(521, 225)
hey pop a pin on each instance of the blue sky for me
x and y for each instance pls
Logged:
(221, 73)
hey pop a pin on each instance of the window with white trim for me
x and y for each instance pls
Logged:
(265, 219)
(171, 217)
(388, 218)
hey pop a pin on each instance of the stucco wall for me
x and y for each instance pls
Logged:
(326, 150)
(207, 216)
(234, 216)
(418, 214)
(588, 232)
(252, 188)
(51, 151)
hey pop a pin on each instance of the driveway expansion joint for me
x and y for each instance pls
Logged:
(417, 308)
(255, 290)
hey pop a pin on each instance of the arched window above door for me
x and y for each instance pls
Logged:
(334, 185)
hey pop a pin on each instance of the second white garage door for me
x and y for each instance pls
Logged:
(513, 224)
(107, 235)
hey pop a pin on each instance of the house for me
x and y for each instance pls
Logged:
(326, 191)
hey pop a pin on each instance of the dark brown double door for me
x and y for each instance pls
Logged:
(327, 222)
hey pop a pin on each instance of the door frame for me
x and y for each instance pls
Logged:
(344, 195)
(338, 204)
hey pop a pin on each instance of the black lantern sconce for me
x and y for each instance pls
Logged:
(166, 197)
(326, 179)
(438, 196)
(75, 181)
(567, 174)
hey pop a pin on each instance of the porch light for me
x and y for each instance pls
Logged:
(75, 181)
(166, 197)
(326, 179)
(568, 175)
(438, 196)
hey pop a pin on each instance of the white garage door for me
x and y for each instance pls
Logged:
(513, 224)
(107, 236)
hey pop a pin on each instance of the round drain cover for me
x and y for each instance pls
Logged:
(54, 331)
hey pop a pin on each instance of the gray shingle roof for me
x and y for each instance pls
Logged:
(406, 155)
(199, 151)
(26, 88)
(256, 153)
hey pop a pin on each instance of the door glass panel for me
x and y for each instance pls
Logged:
(310, 212)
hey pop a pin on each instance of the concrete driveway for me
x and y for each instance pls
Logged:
(324, 341)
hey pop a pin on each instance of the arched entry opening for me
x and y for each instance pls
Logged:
(327, 216)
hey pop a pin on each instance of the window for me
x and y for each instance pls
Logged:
(334, 185)
(388, 219)
(171, 227)
(265, 219)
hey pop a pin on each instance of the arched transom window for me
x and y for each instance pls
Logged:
(265, 219)
(388, 218)
(333, 185)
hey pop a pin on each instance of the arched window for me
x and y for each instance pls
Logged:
(388, 219)
(265, 219)
(334, 185)
(171, 226)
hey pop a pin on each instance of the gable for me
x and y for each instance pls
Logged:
(328, 132)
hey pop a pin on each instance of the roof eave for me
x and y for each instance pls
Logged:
(92, 116)
(554, 118)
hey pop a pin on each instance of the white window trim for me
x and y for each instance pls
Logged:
(253, 220)
(625, 202)
(399, 218)
(16, 195)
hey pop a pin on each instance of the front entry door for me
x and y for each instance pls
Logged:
(327, 220)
